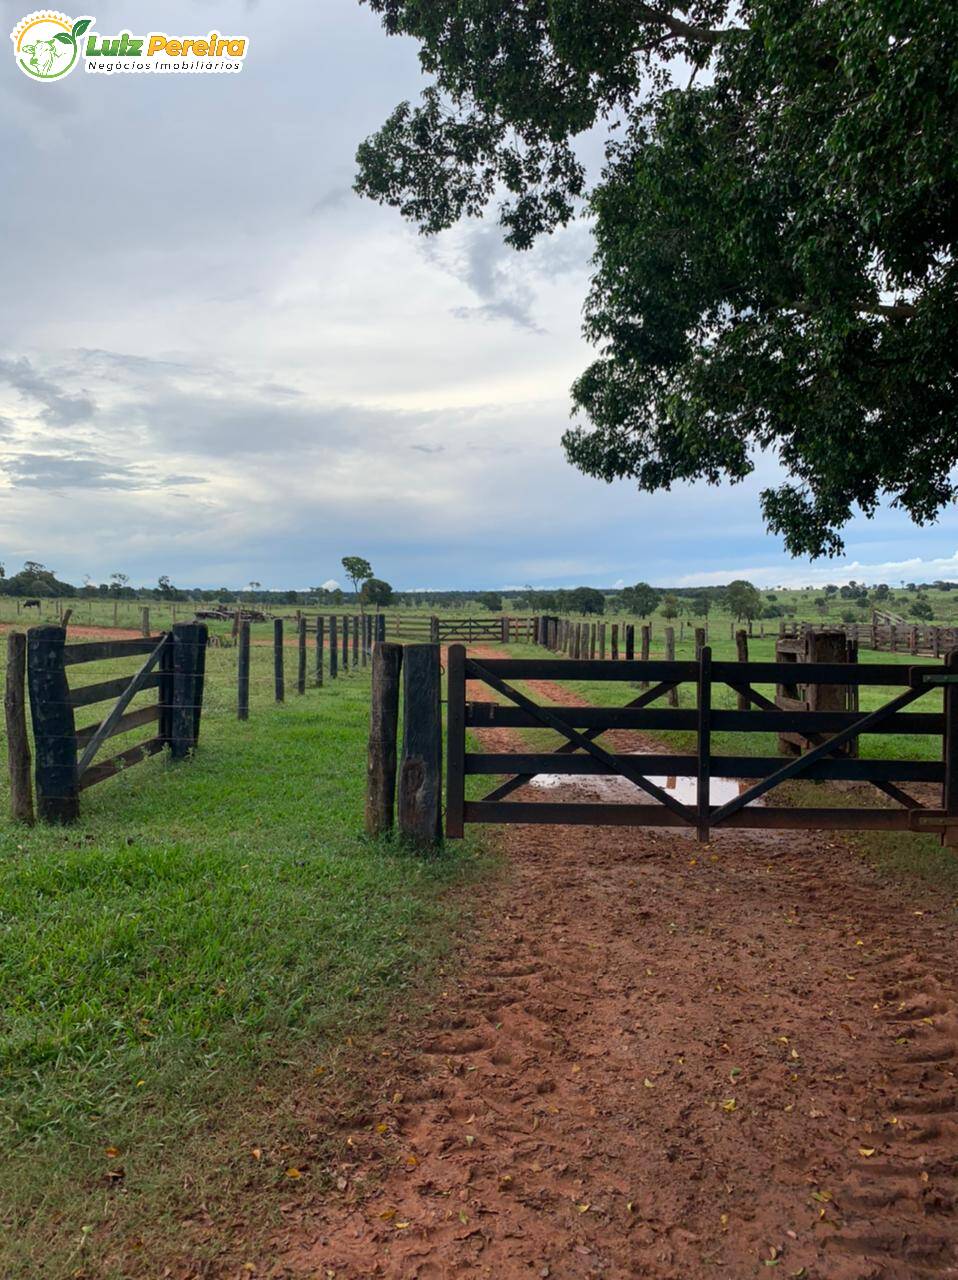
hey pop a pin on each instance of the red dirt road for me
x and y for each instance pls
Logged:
(666, 1061)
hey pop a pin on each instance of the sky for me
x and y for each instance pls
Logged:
(219, 363)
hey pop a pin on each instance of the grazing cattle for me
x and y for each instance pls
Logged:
(31, 604)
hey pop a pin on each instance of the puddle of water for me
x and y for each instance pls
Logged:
(685, 790)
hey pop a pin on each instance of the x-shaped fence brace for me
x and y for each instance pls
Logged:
(701, 816)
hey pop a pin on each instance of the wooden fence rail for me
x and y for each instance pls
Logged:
(175, 665)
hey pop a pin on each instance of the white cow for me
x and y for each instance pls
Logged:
(45, 54)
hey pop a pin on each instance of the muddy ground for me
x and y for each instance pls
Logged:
(663, 1060)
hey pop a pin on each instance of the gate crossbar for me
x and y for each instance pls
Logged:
(797, 766)
(546, 717)
(520, 779)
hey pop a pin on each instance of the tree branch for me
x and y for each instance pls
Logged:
(685, 29)
(898, 310)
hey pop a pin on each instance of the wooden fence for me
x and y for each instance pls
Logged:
(580, 726)
(174, 664)
(923, 641)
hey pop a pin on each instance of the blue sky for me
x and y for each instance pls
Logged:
(217, 362)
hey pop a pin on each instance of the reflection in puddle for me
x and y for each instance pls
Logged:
(617, 788)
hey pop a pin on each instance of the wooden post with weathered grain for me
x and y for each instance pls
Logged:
(333, 647)
(741, 653)
(242, 673)
(615, 641)
(699, 642)
(434, 630)
(383, 730)
(145, 620)
(344, 652)
(949, 790)
(54, 728)
(279, 676)
(301, 655)
(381, 628)
(320, 638)
(189, 669)
(592, 639)
(629, 642)
(455, 740)
(601, 641)
(356, 645)
(646, 648)
(673, 694)
(15, 716)
(420, 769)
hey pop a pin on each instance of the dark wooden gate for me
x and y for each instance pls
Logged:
(581, 754)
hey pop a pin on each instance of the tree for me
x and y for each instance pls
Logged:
(922, 609)
(702, 603)
(642, 600)
(358, 571)
(492, 601)
(743, 600)
(670, 607)
(586, 600)
(118, 584)
(774, 227)
(377, 592)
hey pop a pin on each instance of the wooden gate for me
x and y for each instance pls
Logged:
(581, 754)
(174, 665)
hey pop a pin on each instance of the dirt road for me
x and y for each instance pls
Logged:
(665, 1060)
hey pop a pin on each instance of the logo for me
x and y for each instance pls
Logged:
(46, 45)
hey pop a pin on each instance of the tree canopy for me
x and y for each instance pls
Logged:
(774, 227)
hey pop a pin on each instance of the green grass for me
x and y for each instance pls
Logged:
(207, 927)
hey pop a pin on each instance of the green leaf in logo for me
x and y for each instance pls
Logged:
(81, 25)
(63, 37)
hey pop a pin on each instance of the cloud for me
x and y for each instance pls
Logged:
(58, 472)
(59, 407)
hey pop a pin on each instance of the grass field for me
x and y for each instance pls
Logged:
(207, 930)
(215, 932)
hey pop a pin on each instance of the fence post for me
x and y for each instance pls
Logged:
(434, 630)
(592, 631)
(301, 655)
(703, 742)
(646, 646)
(356, 625)
(344, 652)
(381, 628)
(949, 790)
(54, 728)
(601, 640)
(455, 740)
(333, 647)
(699, 642)
(383, 728)
(319, 651)
(18, 744)
(670, 657)
(741, 652)
(420, 770)
(279, 676)
(504, 629)
(145, 620)
(629, 641)
(242, 670)
(189, 667)
(615, 641)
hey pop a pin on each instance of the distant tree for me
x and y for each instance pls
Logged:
(377, 592)
(743, 600)
(849, 615)
(491, 600)
(669, 607)
(922, 609)
(166, 588)
(821, 604)
(702, 603)
(642, 600)
(358, 571)
(586, 600)
(118, 581)
(882, 591)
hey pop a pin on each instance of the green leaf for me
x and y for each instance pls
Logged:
(81, 25)
(64, 38)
